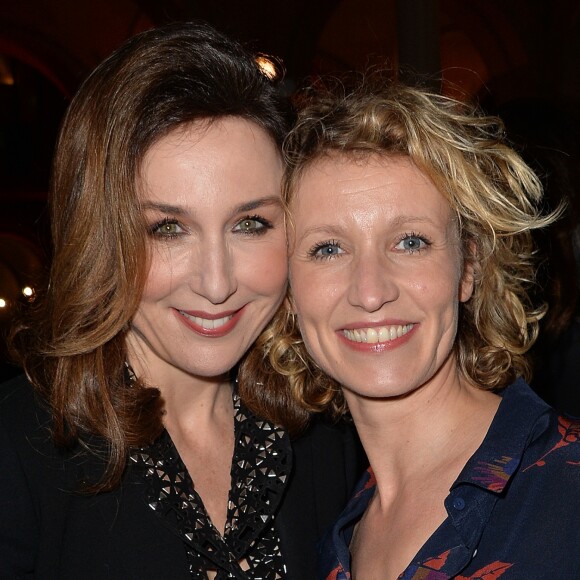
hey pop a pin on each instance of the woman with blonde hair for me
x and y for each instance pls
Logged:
(411, 264)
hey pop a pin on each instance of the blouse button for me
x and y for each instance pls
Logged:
(459, 503)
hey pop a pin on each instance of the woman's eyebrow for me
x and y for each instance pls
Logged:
(323, 229)
(410, 218)
(256, 203)
(243, 207)
(164, 207)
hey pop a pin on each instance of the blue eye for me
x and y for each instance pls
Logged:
(253, 225)
(326, 250)
(166, 228)
(412, 243)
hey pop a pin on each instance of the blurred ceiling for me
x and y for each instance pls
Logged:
(497, 51)
(533, 38)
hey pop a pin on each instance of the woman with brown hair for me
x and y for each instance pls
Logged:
(410, 271)
(129, 452)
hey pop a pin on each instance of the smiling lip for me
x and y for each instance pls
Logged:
(376, 338)
(210, 325)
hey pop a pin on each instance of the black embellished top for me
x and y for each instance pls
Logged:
(250, 546)
(153, 525)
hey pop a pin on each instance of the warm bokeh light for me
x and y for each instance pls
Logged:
(267, 67)
(20, 265)
(6, 76)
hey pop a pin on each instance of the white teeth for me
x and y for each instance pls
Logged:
(206, 323)
(377, 334)
(384, 334)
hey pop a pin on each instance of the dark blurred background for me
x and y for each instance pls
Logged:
(517, 58)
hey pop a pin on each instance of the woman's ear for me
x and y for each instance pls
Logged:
(470, 266)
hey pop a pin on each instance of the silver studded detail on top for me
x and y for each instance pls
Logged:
(250, 547)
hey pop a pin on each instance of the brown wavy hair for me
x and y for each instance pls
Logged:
(496, 198)
(72, 345)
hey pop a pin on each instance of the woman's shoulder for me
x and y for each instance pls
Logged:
(325, 434)
(21, 408)
(334, 450)
(18, 400)
(556, 446)
(25, 427)
(542, 440)
(18, 386)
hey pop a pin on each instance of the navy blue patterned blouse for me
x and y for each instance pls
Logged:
(513, 512)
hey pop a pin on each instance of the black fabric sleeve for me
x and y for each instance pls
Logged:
(18, 522)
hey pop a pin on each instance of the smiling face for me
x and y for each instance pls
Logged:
(376, 273)
(211, 197)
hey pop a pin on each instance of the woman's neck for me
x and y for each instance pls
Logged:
(410, 438)
(201, 426)
(197, 406)
(191, 402)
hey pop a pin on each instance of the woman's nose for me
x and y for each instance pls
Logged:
(216, 280)
(371, 283)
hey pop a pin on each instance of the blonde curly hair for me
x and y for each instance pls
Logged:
(495, 196)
